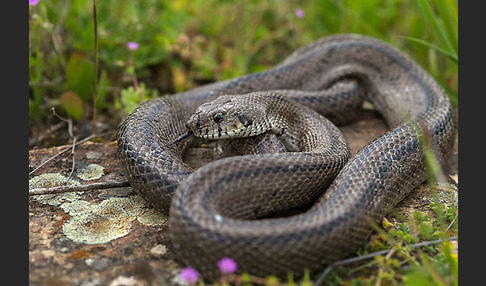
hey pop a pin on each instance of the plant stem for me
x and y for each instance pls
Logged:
(134, 79)
(137, 87)
(95, 89)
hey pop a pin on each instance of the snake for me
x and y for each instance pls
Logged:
(235, 206)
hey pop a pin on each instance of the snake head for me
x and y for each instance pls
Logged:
(228, 116)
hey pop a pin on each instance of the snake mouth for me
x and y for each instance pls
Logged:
(206, 133)
(210, 130)
(229, 130)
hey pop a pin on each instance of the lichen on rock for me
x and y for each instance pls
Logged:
(51, 180)
(103, 222)
(91, 172)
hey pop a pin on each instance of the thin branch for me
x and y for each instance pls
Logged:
(68, 121)
(137, 86)
(371, 255)
(451, 224)
(78, 188)
(70, 131)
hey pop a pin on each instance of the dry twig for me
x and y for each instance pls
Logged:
(78, 188)
(71, 135)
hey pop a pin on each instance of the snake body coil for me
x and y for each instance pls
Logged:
(211, 218)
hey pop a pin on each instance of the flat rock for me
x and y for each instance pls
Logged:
(112, 236)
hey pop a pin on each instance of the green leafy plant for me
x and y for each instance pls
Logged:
(131, 97)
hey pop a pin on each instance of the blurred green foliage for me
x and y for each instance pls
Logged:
(183, 43)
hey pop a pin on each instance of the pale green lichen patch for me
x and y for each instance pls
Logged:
(94, 222)
(448, 194)
(51, 180)
(152, 217)
(103, 222)
(75, 207)
(116, 207)
(91, 172)
(93, 229)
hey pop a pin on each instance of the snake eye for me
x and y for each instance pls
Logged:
(218, 117)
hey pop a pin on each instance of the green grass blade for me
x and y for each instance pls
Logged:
(438, 29)
(451, 55)
(452, 6)
(445, 12)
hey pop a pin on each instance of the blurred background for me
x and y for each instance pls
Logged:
(150, 48)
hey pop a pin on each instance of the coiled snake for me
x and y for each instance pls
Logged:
(217, 210)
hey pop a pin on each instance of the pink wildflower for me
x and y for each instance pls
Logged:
(33, 2)
(227, 265)
(189, 275)
(299, 13)
(132, 45)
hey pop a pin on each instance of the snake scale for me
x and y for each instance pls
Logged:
(222, 209)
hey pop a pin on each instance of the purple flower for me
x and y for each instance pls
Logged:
(227, 265)
(132, 45)
(299, 13)
(189, 275)
(33, 2)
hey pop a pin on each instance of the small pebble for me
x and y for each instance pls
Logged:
(89, 261)
(159, 249)
(125, 281)
(100, 264)
(93, 155)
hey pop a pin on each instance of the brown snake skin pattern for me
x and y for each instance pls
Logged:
(216, 210)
